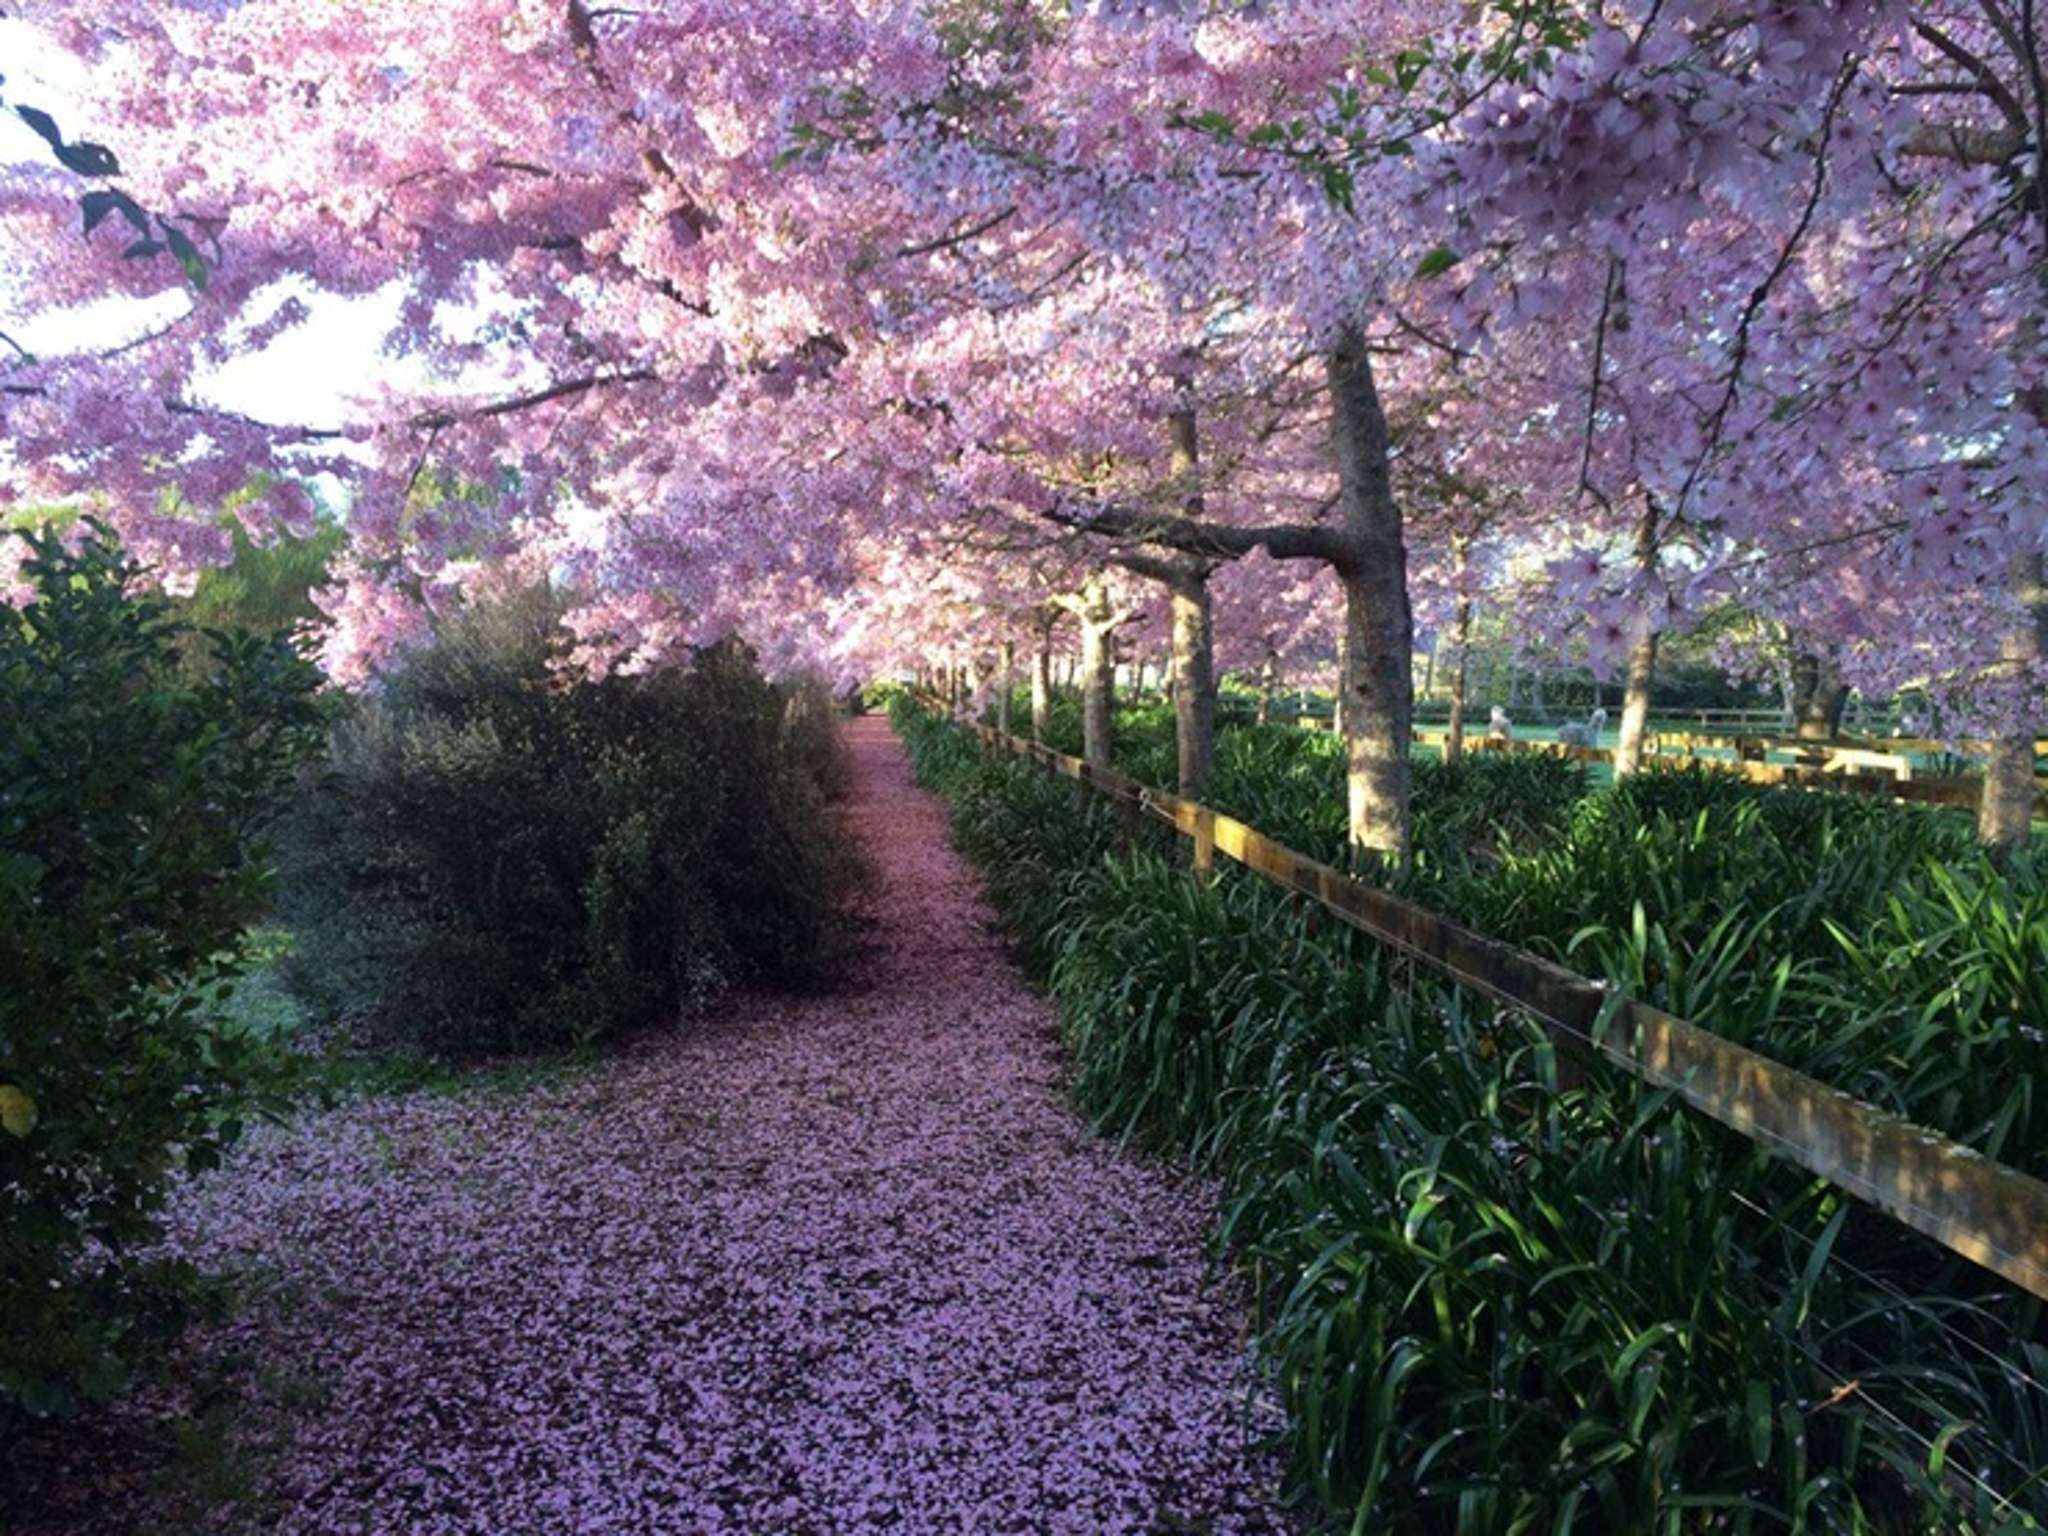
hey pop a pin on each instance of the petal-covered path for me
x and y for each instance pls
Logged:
(820, 1264)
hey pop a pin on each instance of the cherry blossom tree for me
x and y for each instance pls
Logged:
(784, 318)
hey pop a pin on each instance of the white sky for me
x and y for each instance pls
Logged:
(307, 375)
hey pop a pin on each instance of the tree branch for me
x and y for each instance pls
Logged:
(926, 247)
(433, 419)
(1966, 146)
(1214, 541)
(2030, 58)
(583, 37)
(1739, 351)
(1593, 392)
(1986, 78)
(1175, 572)
(424, 421)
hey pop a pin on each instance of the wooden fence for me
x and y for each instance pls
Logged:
(1993, 1215)
(1767, 736)
(1827, 766)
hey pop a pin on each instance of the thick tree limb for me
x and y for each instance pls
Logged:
(1965, 145)
(1174, 570)
(1982, 73)
(1215, 541)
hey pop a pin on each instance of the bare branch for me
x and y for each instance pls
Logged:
(1593, 391)
(1759, 295)
(971, 232)
(425, 421)
(1428, 337)
(419, 464)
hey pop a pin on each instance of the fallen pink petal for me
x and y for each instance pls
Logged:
(843, 1262)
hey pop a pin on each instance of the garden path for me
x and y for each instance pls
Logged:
(832, 1263)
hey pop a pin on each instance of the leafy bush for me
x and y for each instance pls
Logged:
(1495, 1302)
(501, 858)
(133, 787)
(810, 735)
(264, 587)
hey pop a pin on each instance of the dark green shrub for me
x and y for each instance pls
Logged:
(133, 786)
(810, 735)
(502, 858)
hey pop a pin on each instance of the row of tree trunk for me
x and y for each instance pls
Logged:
(1817, 697)
(1375, 695)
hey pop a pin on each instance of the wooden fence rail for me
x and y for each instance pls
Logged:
(1993, 1215)
(1833, 767)
(1824, 764)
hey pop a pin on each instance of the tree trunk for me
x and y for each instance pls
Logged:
(1194, 684)
(1642, 659)
(1098, 685)
(2005, 809)
(1098, 671)
(1009, 672)
(1340, 715)
(1269, 680)
(1818, 694)
(1379, 632)
(1461, 639)
(1041, 684)
(1193, 680)
(2005, 813)
(1378, 714)
(1635, 701)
